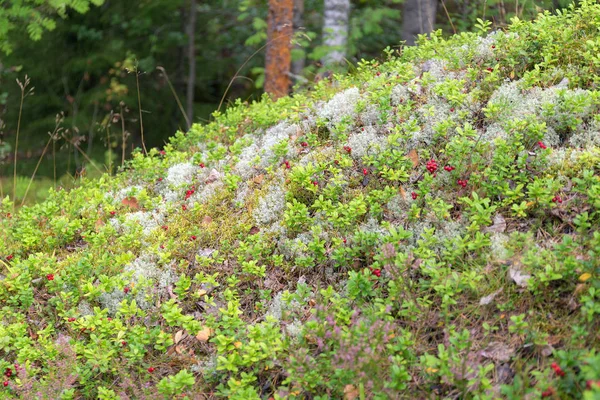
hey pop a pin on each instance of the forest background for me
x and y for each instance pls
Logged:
(85, 82)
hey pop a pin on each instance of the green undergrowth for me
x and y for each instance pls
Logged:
(425, 227)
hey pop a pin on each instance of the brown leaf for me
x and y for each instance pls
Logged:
(258, 179)
(206, 220)
(131, 202)
(204, 334)
(179, 335)
(402, 193)
(254, 230)
(99, 223)
(179, 349)
(201, 292)
(350, 392)
(414, 157)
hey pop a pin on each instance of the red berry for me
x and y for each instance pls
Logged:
(452, 109)
(113, 212)
(315, 183)
(344, 240)
(5, 383)
(162, 152)
(449, 168)
(490, 69)
(542, 145)
(126, 289)
(8, 372)
(123, 343)
(378, 73)
(348, 149)
(431, 166)
(151, 369)
(9, 257)
(71, 319)
(165, 227)
(50, 277)
(193, 237)
(160, 179)
(183, 207)
(365, 171)
(336, 162)
(162, 246)
(414, 195)
(304, 144)
(201, 165)
(548, 392)
(377, 272)
(493, 46)
(557, 199)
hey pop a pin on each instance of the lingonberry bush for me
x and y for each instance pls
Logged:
(426, 226)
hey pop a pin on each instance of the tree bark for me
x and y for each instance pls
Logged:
(418, 18)
(279, 56)
(191, 81)
(298, 65)
(335, 30)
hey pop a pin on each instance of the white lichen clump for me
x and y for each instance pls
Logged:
(271, 206)
(366, 142)
(341, 106)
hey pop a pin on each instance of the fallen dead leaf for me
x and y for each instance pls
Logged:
(518, 276)
(497, 351)
(350, 392)
(258, 179)
(237, 345)
(498, 226)
(204, 334)
(414, 157)
(484, 301)
(99, 223)
(131, 202)
(179, 335)
(213, 176)
(402, 193)
(206, 220)
(202, 292)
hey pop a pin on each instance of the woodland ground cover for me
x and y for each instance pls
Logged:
(423, 227)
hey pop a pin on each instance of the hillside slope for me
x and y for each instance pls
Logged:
(424, 227)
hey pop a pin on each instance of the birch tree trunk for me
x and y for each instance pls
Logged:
(418, 18)
(298, 65)
(335, 30)
(279, 56)
(191, 81)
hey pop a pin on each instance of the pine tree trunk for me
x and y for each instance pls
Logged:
(279, 57)
(191, 81)
(335, 30)
(418, 18)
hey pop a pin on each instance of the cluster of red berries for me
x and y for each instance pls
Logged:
(50, 277)
(201, 165)
(9, 257)
(589, 384)
(304, 144)
(193, 237)
(449, 168)
(556, 199)
(414, 195)
(165, 228)
(365, 171)
(542, 145)
(183, 207)
(315, 183)
(376, 272)
(431, 166)
(557, 369)
(71, 319)
(8, 372)
(348, 149)
(189, 193)
(462, 182)
(547, 393)
(287, 164)
(126, 289)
